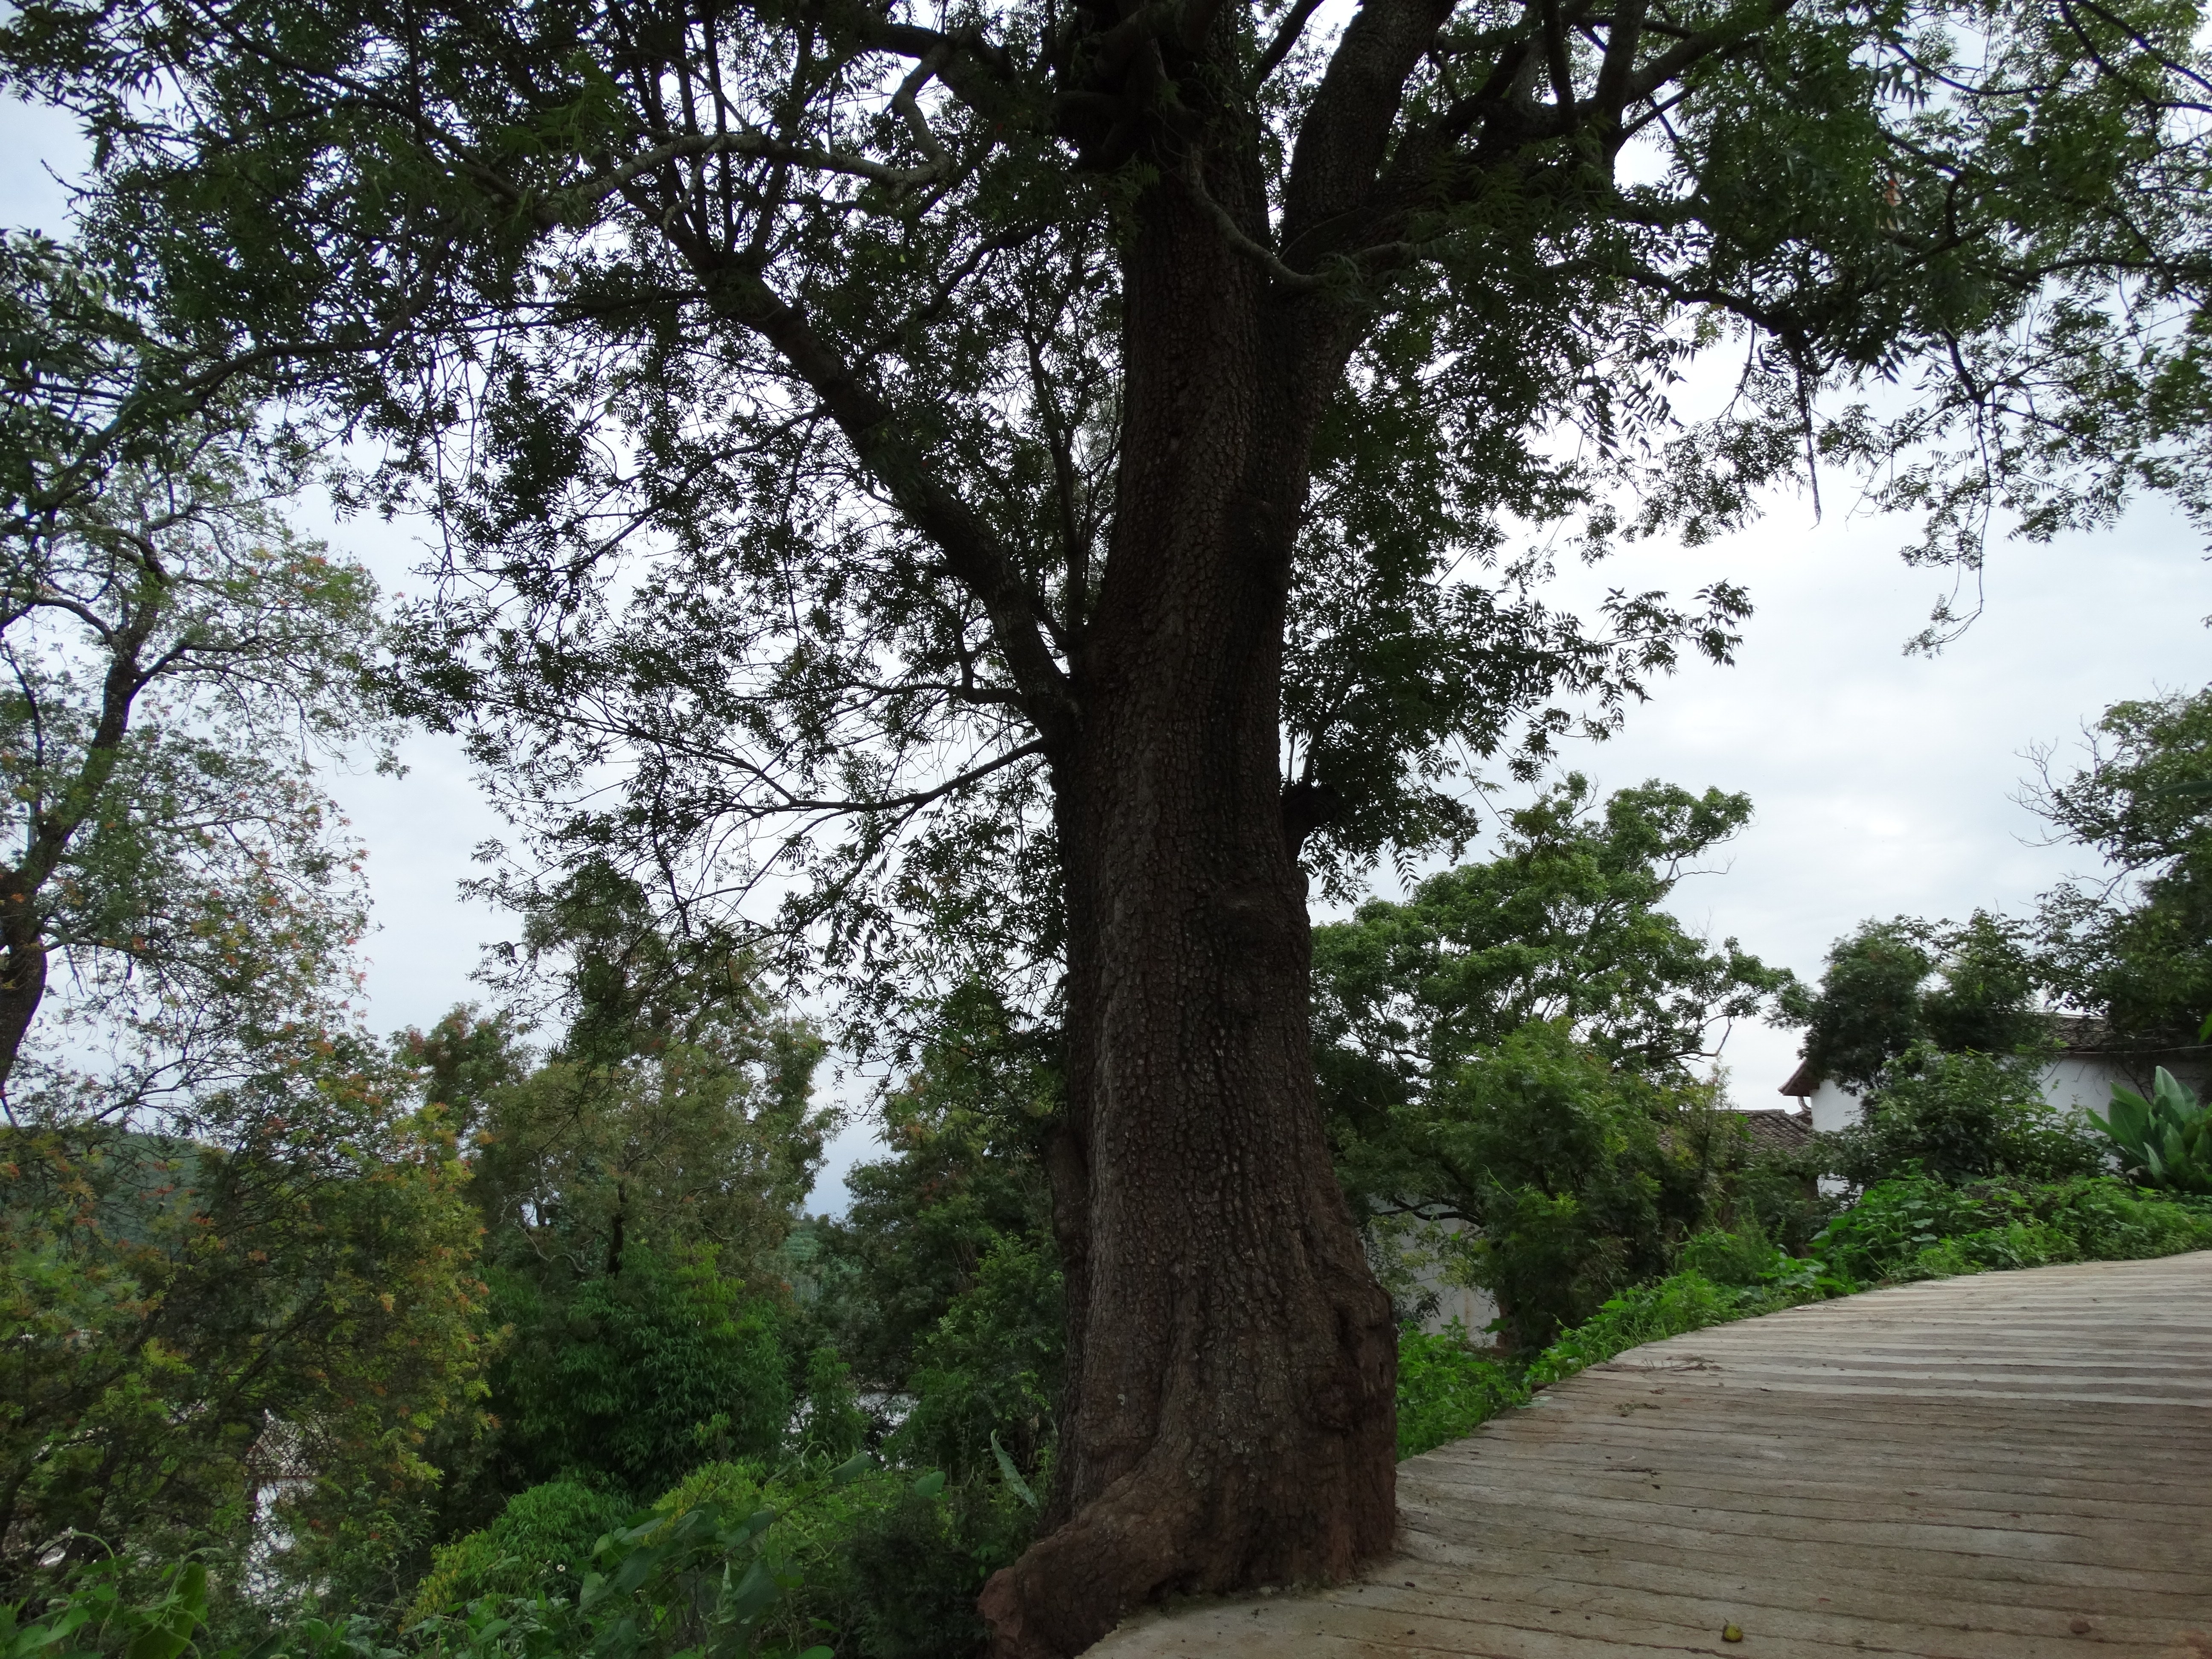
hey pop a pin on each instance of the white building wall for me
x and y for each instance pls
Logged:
(1474, 1309)
(2077, 1081)
(2070, 1083)
(1835, 1107)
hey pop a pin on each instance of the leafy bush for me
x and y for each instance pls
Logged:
(92, 1614)
(1574, 1179)
(917, 1566)
(991, 1365)
(1776, 1194)
(1735, 1259)
(1446, 1388)
(638, 1375)
(162, 1300)
(1915, 1227)
(2165, 1141)
(1962, 1117)
(1667, 1307)
(877, 1564)
(542, 1541)
(829, 1425)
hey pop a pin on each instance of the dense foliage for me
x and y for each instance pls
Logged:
(1568, 1179)
(1894, 985)
(1962, 1116)
(966, 1129)
(183, 1317)
(1507, 1057)
(2135, 945)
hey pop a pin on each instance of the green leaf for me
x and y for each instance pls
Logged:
(755, 1593)
(930, 1485)
(175, 1618)
(851, 1469)
(1012, 1476)
(636, 1568)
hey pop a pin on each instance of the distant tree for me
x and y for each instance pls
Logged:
(635, 1377)
(303, 1277)
(2135, 945)
(1565, 924)
(174, 659)
(965, 1175)
(635, 1184)
(1894, 985)
(677, 1108)
(1574, 1178)
(1514, 1048)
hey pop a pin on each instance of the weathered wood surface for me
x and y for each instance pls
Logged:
(2010, 1466)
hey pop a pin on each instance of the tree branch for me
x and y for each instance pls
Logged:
(973, 554)
(1286, 38)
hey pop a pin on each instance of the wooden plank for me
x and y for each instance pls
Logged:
(2009, 1466)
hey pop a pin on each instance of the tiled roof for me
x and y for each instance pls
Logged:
(1777, 1132)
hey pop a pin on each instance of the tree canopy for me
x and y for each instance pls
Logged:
(1892, 985)
(1565, 923)
(780, 346)
(174, 660)
(2131, 943)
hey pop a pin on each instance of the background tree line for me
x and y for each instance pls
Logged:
(498, 1300)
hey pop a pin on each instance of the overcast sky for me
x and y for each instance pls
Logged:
(1883, 784)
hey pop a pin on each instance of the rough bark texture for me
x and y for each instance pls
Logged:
(1230, 1411)
(53, 823)
(22, 972)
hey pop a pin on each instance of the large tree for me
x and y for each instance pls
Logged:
(1091, 448)
(177, 897)
(2135, 945)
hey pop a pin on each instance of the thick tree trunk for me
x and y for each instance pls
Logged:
(22, 973)
(1229, 1419)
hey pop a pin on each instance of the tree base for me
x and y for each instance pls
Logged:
(1157, 1532)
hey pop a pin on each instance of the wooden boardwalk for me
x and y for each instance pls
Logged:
(2011, 1466)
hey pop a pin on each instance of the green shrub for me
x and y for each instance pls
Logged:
(830, 1424)
(637, 1375)
(1777, 1195)
(1666, 1307)
(880, 1567)
(991, 1365)
(2165, 1141)
(1962, 1117)
(1736, 1259)
(1915, 1227)
(542, 1541)
(1576, 1179)
(1447, 1389)
(918, 1565)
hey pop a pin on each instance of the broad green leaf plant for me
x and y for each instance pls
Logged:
(2164, 1140)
